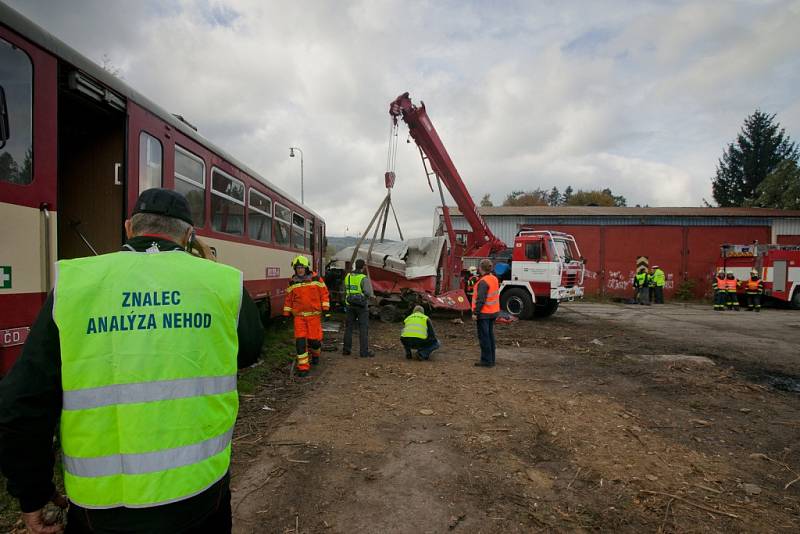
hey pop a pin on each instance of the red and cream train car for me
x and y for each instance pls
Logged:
(77, 146)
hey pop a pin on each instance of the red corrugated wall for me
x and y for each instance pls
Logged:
(611, 253)
(789, 239)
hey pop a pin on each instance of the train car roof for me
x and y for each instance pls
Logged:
(44, 39)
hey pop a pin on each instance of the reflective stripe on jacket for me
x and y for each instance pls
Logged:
(306, 296)
(416, 325)
(754, 287)
(148, 369)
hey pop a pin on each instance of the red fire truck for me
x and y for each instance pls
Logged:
(777, 265)
(542, 269)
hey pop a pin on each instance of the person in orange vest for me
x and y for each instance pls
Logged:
(754, 288)
(306, 299)
(471, 281)
(730, 286)
(720, 294)
(485, 309)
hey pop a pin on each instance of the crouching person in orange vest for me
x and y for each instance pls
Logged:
(306, 299)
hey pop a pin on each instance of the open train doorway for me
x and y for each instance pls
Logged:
(91, 166)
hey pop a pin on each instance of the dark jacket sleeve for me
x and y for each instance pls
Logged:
(482, 288)
(250, 332)
(431, 331)
(30, 405)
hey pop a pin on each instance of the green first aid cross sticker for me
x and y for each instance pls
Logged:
(5, 276)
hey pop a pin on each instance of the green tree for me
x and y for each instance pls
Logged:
(9, 170)
(567, 195)
(537, 197)
(486, 202)
(595, 198)
(554, 197)
(781, 189)
(760, 147)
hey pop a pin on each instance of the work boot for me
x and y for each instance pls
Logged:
(301, 374)
(483, 364)
(370, 354)
(345, 353)
(758, 309)
(408, 355)
(315, 360)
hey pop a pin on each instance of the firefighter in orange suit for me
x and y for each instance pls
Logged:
(731, 284)
(754, 288)
(306, 299)
(472, 281)
(720, 294)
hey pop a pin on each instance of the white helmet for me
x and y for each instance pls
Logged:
(473, 269)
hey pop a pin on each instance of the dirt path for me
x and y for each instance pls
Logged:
(577, 428)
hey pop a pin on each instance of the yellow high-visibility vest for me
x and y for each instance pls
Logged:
(148, 371)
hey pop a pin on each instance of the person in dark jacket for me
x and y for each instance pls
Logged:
(418, 334)
(32, 397)
(358, 291)
(485, 309)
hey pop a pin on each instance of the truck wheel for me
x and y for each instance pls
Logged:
(517, 302)
(389, 313)
(796, 299)
(545, 308)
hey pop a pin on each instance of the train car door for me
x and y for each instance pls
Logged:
(27, 187)
(91, 164)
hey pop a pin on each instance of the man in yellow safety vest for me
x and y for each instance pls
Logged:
(418, 333)
(135, 353)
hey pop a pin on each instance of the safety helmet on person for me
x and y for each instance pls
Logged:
(300, 261)
(473, 270)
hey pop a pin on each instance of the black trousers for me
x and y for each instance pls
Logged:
(486, 339)
(183, 517)
(754, 301)
(360, 315)
(659, 294)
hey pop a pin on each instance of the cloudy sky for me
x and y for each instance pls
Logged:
(637, 96)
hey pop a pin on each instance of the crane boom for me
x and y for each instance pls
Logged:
(484, 242)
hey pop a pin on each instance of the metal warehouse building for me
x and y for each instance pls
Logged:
(684, 242)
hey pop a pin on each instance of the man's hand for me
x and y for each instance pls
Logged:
(474, 317)
(37, 522)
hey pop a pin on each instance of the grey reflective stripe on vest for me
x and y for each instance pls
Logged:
(85, 399)
(420, 329)
(148, 462)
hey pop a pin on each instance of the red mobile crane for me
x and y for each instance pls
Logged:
(542, 269)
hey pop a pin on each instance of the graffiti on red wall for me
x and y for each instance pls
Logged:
(621, 281)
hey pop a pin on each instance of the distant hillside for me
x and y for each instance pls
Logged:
(338, 243)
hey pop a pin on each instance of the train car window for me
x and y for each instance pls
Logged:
(283, 224)
(16, 84)
(309, 234)
(298, 231)
(259, 217)
(227, 203)
(150, 162)
(190, 181)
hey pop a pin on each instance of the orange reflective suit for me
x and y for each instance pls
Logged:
(306, 299)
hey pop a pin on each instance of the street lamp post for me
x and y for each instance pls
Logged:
(291, 155)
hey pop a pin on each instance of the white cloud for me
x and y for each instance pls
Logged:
(639, 97)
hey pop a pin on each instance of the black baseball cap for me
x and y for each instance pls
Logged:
(163, 202)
